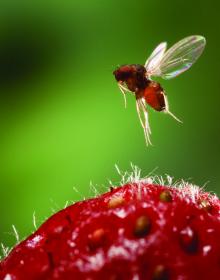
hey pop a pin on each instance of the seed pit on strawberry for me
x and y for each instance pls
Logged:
(116, 201)
(165, 196)
(97, 238)
(160, 273)
(142, 226)
(206, 205)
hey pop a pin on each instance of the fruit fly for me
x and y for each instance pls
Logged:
(167, 64)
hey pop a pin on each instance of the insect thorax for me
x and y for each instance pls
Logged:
(137, 80)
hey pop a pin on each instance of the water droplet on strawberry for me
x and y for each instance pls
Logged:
(9, 277)
(206, 249)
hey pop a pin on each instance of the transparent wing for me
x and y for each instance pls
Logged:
(180, 57)
(155, 58)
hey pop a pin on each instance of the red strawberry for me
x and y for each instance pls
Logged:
(139, 231)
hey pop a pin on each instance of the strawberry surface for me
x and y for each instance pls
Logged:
(138, 231)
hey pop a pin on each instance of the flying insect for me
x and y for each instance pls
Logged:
(167, 64)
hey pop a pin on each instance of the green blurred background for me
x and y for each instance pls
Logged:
(63, 122)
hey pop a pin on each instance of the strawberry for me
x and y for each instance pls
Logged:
(138, 231)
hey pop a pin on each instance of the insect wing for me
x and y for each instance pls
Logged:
(155, 58)
(180, 57)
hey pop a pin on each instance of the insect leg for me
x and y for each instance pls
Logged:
(143, 117)
(144, 108)
(123, 92)
(167, 111)
(123, 89)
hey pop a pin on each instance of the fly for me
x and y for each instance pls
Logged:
(167, 64)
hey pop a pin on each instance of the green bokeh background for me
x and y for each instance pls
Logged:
(63, 122)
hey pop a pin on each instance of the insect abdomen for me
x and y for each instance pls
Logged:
(154, 96)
